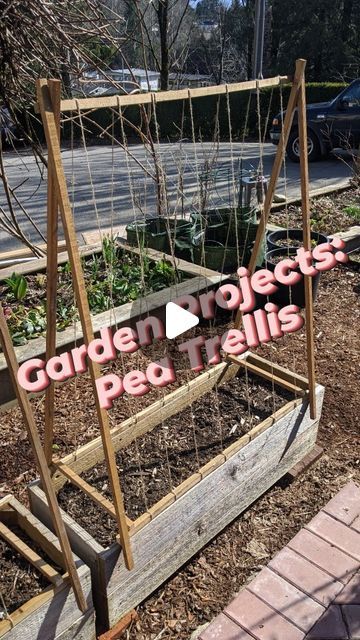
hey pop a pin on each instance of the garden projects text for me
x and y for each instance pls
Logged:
(258, 327)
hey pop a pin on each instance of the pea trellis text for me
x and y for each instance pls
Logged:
(258, 327)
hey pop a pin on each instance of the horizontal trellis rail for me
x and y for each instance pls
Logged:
(169, 96)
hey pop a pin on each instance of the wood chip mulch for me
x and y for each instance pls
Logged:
(209, 581)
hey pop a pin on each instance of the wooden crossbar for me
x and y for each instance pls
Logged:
(266, 365)
(13, 512)
(268, 375)
(169, 96)
(30, 555)
(90, 491)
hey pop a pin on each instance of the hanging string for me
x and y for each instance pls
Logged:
(7, 614)
(142, 256)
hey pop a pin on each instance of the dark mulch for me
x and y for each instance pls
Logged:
(177, 448)
(19, 580)
(329, 214)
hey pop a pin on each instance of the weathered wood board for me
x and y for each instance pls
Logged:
(53, 614)
(177, 533)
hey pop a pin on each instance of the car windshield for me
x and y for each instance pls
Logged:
(352, 95)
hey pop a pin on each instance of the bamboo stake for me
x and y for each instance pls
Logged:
(29, 420)
(51, 274)
(305, 209)
(83, 307)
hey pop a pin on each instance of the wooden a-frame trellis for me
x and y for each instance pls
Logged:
(50, 106)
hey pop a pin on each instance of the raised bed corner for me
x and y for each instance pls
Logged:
(52, 614)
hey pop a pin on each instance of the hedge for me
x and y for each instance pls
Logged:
(174, 118)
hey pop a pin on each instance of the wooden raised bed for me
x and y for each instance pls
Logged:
(52, 614)
(199, 279)
(182, 522)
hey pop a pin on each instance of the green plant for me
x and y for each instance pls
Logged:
(161, 275)
(65, 314)
(26, 323)
(17, 286)
(110, 251)
(112, 279)
(353, 211)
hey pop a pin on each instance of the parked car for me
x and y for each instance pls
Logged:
(7, 127)
(331, 125)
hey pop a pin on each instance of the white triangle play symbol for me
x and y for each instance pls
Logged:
(178, 320)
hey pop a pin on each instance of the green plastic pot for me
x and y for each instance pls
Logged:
(136, 233)
(220, 224)
(165, 235)
(216, 256)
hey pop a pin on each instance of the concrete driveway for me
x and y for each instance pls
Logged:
(108, 186)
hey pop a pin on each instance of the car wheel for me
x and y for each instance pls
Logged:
(293, 147)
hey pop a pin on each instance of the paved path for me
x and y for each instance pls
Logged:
(310, 590)
(99, 181)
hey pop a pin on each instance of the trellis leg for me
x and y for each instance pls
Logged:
(83, 306)
(29, 420)
(279, 157)
(51, 274)
(305, 208)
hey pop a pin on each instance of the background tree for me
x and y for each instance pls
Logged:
(38, 39)
(161, 31)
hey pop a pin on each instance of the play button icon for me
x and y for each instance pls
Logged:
(178, 320)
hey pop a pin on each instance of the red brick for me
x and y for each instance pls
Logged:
(345, 506)
(306, 576)
(356, 524)
(260, 620)
(287, 599)
(351, 592)
(324, 555)
(336, 533)
(351, 614)
(117, 630)
(222, 628)
(330, 626)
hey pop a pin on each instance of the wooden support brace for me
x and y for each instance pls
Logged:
(302, 466)
(267, 375)
(52, 140)
(31, 556)
(279, 158)
(118, 630)
(90, 491)
(297, 99)
(29, 420)
(51, 274)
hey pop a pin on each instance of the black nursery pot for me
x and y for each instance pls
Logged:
(287, 295)
(292, 238)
